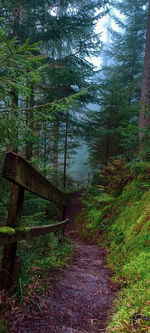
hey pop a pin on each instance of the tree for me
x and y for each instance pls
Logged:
(67, 32)
(144, 114)
(107, 123)
(19, 65)
(128, 45)
(116, 121)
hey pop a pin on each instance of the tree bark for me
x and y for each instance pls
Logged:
(45, 146)
(144, 113)
(14, 115)
(55, 148)
(29, 124)
(9, 250)
(65, 152)
(107, 150)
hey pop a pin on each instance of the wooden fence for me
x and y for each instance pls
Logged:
(23, 177)
(84, 183)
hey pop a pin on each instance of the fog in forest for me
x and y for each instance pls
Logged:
(78, 166)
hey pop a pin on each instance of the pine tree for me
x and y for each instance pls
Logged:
(107, 123)
(144, 114)
(128, 45)
(122, 81)
(68, 38)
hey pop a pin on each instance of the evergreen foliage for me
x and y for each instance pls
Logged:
(48, 106)
(44, 52)
(66, 30)
(116, 118)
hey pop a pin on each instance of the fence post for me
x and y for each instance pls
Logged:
(88, 179)
(23, 176)
(9, 251)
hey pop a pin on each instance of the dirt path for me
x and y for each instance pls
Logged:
(78, 299)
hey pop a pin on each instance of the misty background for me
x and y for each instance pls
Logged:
(78, 167)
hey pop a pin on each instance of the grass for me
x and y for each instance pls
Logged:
(41, 255)
(130, 255)
(122, 223)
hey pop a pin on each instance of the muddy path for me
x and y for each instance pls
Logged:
(79, 299)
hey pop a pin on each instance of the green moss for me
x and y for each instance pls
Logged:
(140, 168)
(7, 231)
(3, 326)
(24, 229)
(125, 225)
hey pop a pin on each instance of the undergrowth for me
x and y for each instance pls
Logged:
(41, 256)
(117, 213)
(43, 253)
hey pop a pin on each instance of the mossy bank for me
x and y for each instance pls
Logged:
(118, 216)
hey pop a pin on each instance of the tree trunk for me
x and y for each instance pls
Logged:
(29, 124)
(144, 113)
(16, 15)
(14, 92)
(65, 152)
(45, 146)
(14, 114)
(107, 150)
(55, 148)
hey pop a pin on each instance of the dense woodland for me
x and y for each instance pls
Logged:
(53, 99)
(48, 82)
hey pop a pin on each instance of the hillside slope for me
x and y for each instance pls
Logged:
(117, 214)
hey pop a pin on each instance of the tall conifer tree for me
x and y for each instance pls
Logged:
(144, 114)
(125, 72)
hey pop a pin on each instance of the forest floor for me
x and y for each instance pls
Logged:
(79, 298)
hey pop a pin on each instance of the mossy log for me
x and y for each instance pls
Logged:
(25, 233)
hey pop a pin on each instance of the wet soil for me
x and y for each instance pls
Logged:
(79, 299)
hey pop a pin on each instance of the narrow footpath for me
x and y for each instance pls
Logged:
(79, 299)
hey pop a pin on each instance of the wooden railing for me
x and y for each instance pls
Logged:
(84, 183)
(23, 177)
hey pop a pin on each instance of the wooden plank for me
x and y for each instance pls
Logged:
(8, 236)
(9, 250)
(20, 172)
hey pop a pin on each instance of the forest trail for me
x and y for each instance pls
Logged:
(79, 299)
